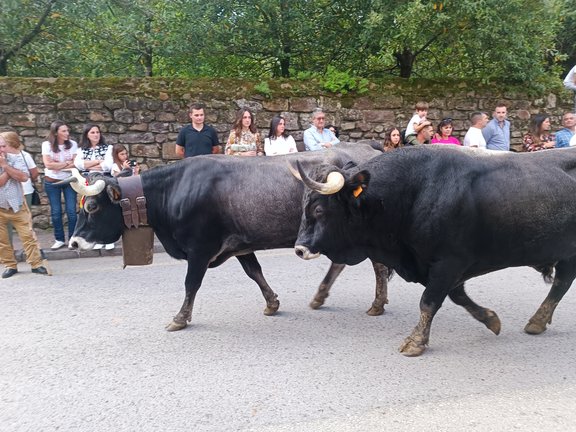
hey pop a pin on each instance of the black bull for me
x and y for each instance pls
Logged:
(439, 216)
(207, 209)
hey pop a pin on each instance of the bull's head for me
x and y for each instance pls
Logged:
(330, 207)
(100, 216)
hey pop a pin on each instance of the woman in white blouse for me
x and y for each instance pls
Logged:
(94, 154)
(278, 141)
(58, 154)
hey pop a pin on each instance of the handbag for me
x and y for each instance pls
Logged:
(35, 194)
(35, 197)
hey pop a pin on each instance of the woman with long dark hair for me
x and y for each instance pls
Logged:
(443, 133)
(58, 154)
(392, 139)
(244, 139)
(539, 136)
(94, 154)
(278, 141)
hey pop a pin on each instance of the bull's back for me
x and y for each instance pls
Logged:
(499, 210)
(244, 204)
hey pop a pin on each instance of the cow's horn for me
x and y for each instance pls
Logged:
(334, 182)
(78, 183)
(294, 171)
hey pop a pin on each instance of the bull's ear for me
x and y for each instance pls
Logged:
(114, 193)
(358, 183)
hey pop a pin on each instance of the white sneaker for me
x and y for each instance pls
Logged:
(109, 246)
(57, 245)
(98, 246)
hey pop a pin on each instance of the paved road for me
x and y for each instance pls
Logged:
(85, 350)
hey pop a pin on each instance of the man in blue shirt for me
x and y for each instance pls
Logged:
(497, 131)
(197, 138)
(317, 137)
(564, 136)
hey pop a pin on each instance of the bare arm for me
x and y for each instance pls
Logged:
(56, 166)
(10, 172)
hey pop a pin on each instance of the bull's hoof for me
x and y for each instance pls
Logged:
(175, 326)
(535, 328)
(316, 303)
(272, 309)
(375, 310)
(492, 322)
(411, 348)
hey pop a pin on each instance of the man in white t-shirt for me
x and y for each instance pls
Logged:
(474, 137)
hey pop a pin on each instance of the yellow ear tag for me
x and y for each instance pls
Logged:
(357, 191)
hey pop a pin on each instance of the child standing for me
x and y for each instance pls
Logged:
(121, 162)
(417, 120)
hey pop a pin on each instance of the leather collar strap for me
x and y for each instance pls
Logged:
(133, 201)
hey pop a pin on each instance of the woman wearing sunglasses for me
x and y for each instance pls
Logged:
(443, 133)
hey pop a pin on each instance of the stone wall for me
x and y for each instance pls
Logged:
(146, 114)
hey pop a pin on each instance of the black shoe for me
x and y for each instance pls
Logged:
(9, 272)
(40, 270)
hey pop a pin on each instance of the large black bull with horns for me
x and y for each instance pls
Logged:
(440, 215)
(207, 209)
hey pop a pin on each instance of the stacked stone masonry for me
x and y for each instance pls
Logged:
(145, 114)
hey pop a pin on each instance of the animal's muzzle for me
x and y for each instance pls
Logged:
(304, 253)
(79, 243)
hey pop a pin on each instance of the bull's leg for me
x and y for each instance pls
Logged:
(441, 279)
(194, 276)
(565, 274)
(381, 296)
(253, 269)
(486, 316)
(324, 288)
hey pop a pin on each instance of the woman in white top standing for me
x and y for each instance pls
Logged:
(278, 141)
(58, 154)
(94, 155)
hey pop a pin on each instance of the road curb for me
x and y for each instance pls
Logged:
(65, 253)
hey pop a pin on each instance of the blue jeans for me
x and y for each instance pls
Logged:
(54, 193)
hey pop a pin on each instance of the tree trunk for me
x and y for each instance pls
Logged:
(3, 66)
(285, 63)
(147, 49)
(405, 60)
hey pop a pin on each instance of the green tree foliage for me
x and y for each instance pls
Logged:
(488, 39)
(21, 22)
(512, 40)
(566, 46)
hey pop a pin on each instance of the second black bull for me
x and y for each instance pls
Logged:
(207, 209)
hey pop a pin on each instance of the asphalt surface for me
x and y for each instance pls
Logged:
(86, 350)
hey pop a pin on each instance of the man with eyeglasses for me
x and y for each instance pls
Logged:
(317, 137)
(497, 131)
